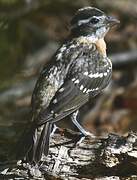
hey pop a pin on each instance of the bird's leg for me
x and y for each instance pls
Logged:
(53, 130)
(74, 118)
(84, 133)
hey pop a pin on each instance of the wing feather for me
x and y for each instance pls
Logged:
(71, 95)
(67, 102)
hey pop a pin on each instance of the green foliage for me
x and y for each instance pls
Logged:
(9, 2)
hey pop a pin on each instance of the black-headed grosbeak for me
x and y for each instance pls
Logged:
(79, 70)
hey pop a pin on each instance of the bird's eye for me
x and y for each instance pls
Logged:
(94, 20)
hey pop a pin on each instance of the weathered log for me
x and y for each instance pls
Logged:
(94, 158)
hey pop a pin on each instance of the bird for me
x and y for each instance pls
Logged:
(78, 71)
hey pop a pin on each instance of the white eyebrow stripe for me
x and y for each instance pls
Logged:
(84, 21)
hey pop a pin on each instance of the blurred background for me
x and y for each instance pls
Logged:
(30, 33)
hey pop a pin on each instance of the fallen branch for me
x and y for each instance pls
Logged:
(124, 60)
(119, 60)
(110, 156)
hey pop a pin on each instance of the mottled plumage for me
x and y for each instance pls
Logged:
(78, 71)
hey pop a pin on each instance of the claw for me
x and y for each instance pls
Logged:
(89, 134)
(86, 134)
(80, 140)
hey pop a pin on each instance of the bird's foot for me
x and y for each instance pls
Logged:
(88, 134)
(85, 135)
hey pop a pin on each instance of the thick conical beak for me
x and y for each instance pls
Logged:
(111, 21)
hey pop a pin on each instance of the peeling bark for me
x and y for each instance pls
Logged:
(112, 156)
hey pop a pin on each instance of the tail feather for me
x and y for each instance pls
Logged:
(43, 143)
(33, 144)
(25, 143)
(30, 154)
(47, 140)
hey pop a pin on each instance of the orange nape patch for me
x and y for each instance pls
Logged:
(101, 46)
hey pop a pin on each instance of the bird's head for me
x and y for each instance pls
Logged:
(90, 21)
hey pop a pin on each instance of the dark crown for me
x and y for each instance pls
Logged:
(85, 13)
(91, 21)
